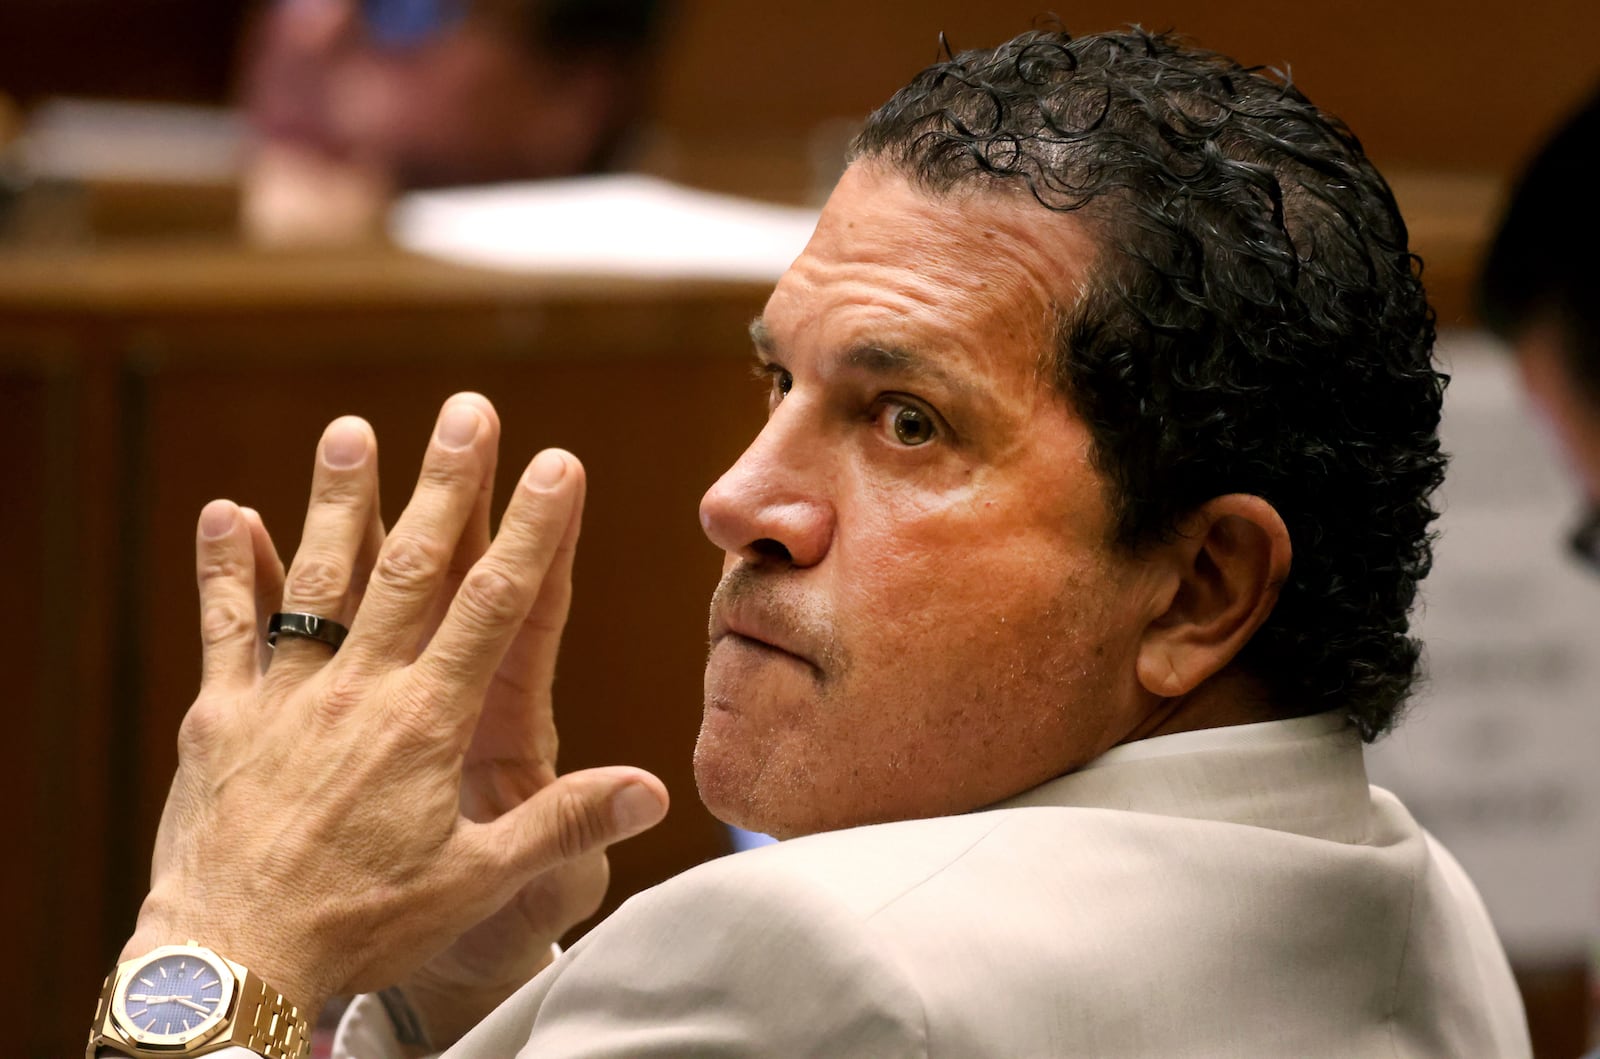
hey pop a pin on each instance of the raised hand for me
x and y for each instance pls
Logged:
(340, 819)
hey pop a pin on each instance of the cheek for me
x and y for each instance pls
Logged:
(986, 597)
(936, 603)
(928, 558)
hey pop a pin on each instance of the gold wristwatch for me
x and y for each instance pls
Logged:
(186, 1000)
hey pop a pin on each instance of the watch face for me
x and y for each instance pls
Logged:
(176, 996)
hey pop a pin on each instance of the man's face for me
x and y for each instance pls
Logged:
(920, 613)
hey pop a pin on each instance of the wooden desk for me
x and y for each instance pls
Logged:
(136, 384)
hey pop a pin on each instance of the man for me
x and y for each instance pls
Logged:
(1061, 587)
(1539, 292)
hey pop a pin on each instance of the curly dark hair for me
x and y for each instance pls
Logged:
(1255, 322)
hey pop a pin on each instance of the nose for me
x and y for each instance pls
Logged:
(771, 507)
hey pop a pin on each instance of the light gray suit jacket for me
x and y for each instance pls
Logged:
(1232, 892)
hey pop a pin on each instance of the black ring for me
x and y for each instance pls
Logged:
(307, 627)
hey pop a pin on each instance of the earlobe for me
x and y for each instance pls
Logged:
(1158, 673)
(1228, 563)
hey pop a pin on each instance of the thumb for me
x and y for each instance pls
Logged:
(577, 814)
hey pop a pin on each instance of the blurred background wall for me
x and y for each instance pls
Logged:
(179, 316)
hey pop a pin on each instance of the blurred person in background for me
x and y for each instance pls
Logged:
(1540, 291)
(353, 99)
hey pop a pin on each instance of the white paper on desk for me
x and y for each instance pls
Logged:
(623, 225)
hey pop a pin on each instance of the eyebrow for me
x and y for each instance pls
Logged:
(882, 360)
(761, 337)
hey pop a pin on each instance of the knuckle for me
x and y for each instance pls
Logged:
(579, 826)
(345, 691)
(490, 596)
(317, 579)
(342, 488)
(409, 564)
(544, 624)
(414, 731)
(225, 622)
(514, 685)
(414, 715)
(199, 730)
(222, 567)
(445, 471)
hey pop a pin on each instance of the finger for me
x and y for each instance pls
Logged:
(411, 565)
(344, 490)
(498, 593)
(518, 712)
(366, 557)
(269, 580)
(225, 570)
(475, 537)
(577, 814)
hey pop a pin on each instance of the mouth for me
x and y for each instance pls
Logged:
(760, 619)
(751, 664)
(756, 643)
(745, 636)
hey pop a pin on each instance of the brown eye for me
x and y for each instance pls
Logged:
(779, 384)
(912, 426)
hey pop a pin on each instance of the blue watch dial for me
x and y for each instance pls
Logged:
(173, 997)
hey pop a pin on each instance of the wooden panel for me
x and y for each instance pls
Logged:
(62, 587)
(33, 630)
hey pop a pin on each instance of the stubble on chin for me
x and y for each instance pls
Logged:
(748, 758)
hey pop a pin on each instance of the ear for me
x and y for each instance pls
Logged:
(1226, 567)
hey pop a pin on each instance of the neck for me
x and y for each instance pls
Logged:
(1229, 698)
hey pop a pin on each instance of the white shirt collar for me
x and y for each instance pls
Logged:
(1232, 737)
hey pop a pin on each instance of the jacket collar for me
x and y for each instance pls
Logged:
(1305, 776)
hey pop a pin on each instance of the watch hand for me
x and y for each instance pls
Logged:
(186, 1002)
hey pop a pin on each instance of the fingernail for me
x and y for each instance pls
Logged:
(547, 469)
(633, 809)
(216, 519)
(345, 443)
(458, 425)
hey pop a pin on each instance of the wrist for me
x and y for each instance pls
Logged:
(185, 999)
(298, 989)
